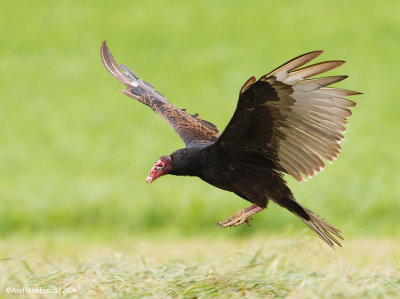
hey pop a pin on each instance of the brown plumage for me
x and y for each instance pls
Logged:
(283, 123)
(190, 128)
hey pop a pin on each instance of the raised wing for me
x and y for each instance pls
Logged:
(289, 122)
(190, 128)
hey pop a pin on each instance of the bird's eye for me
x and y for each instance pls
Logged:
(160, 166)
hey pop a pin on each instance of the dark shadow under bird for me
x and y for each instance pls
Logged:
(283, 123)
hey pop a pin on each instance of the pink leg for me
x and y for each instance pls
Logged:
(241, 216)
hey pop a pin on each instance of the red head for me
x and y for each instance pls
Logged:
(161, 167)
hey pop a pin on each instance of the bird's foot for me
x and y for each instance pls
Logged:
(237, 219)
(242, 216)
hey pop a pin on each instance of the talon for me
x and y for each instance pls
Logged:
(248, 221)
(240, 217)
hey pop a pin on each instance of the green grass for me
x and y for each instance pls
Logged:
(75, 152)
(202, 268)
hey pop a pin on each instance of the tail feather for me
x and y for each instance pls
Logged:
(326, 231)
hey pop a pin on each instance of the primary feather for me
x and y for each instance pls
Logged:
(302, 118)
(190, 128)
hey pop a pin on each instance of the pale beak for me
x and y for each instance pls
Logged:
(149, 179)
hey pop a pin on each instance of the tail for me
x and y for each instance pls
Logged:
(326, 231)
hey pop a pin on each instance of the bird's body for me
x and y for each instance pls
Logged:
(254, 183)
(283, 123)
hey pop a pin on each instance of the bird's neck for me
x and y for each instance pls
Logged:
(186, 161)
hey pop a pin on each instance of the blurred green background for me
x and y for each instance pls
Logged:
(75, 152)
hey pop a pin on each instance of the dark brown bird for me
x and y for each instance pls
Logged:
(283, 123)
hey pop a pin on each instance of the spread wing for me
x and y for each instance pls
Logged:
(289, 122)
(190, 128)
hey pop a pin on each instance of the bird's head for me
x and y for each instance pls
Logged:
(160, 168)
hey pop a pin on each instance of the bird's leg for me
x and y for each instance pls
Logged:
(241, 216)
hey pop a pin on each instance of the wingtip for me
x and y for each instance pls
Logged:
(103, 49)
(104, 44)
(319, 52)
(281, 72)
(314, 54)
(337, 63)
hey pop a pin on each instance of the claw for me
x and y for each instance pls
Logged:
(248, 221)
(236, 220)
(240, 217)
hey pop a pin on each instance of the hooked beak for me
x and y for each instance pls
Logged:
(157, 171)
(149, 179)
(153, 174)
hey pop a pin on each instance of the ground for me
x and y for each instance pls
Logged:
(138, 267)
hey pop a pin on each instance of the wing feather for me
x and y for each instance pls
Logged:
(297, 122)
(312, 70)
(316, 83)
(190, 128)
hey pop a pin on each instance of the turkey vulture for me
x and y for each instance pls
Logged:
(283, 123)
